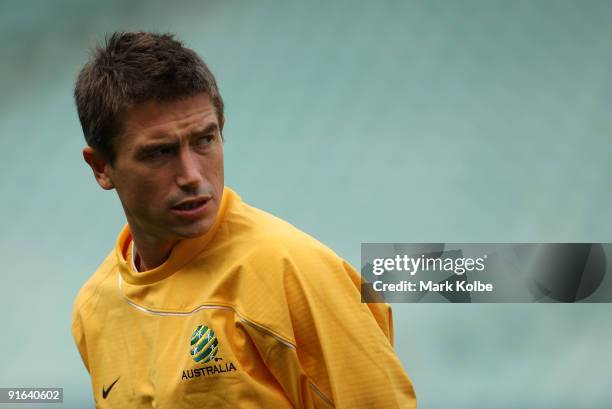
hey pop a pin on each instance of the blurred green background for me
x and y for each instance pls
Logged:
(357, 121)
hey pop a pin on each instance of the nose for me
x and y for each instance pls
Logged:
(188, 173)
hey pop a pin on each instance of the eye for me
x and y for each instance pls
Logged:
(159, 152)
(156, 153)
(204, 140)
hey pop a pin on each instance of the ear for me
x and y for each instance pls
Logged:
(99, 166)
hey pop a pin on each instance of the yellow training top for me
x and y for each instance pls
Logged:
(254, 314)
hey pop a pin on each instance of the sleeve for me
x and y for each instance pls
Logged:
(343, 348)
(79, 336)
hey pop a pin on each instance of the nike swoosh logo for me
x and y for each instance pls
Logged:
(105, 391)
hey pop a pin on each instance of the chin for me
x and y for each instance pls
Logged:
(194, 231)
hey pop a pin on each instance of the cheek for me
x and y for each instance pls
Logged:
(220, 172)
(219, 167)
(141, 194)
(212, 169)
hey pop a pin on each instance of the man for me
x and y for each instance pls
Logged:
(206, 301)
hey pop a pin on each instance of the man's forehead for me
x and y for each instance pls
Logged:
(158, 119)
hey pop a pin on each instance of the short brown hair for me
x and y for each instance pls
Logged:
(132, 68)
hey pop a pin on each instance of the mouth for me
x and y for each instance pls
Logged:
(191, 207)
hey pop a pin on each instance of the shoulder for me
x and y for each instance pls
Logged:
(273, 238)
(257, 233)
(303, 263)
(278, 255)
(268, 234)
(316, 283)
(91, 291)
(310, 270)
(243, 219)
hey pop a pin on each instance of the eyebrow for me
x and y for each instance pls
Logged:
(148, 148)
(210, 128)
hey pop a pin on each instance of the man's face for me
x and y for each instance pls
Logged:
(168, 169)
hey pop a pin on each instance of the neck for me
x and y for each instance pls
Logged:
(149, 255)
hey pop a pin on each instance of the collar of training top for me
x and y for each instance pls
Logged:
(184, 252)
